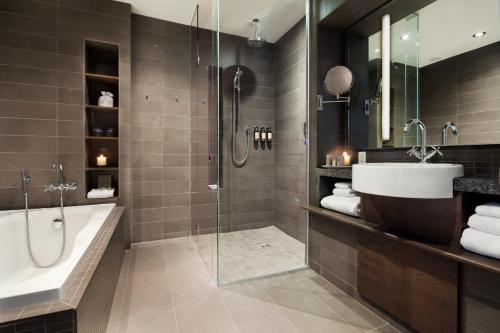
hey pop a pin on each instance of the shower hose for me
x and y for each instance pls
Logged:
(28, 237)
(234, 110)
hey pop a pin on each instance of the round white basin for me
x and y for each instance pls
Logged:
(406, 180)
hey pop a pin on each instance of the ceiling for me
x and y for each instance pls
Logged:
(445, 29)
(276, 16)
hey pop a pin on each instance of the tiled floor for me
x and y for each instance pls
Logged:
(165, 287)
(253, 253)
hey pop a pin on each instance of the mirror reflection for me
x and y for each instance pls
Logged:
(444, 72)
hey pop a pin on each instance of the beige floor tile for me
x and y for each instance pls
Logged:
(145, 256)
(385, 329)
(314, 322)
(149, 293)
(253, 314)
(210, 316)
(158, 323)
(353, 312)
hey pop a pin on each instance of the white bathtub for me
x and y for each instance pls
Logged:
(21, 282)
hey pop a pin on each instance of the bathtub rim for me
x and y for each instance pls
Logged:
(77, 283)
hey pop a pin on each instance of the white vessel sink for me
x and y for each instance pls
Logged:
(406, 180)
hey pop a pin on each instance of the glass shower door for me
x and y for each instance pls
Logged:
(204, 178)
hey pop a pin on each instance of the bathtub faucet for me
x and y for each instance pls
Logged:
(61, 185)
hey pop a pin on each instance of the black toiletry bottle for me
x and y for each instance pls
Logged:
(263, 134)
(256, 134)
(269, 134)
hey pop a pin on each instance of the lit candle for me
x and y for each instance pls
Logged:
(101, 160)
(347, 159)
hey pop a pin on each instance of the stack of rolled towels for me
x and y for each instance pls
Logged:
(101, 193)
(344, 200)
(483, 234)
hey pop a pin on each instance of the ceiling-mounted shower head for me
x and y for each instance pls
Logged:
(256, 40)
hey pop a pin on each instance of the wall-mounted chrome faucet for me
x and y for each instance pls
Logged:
(444, 132)
(61, 185)
(422, 154)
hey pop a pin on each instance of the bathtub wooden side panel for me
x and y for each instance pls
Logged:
(93, 311)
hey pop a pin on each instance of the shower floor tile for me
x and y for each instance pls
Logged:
(252, 253)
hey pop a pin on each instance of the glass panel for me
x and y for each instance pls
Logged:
(263, 155)
(204, 136)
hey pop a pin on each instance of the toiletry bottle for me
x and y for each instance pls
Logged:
(263, 134)
(256, 134)
(269, 133)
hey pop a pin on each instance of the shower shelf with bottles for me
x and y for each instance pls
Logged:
(102, 111)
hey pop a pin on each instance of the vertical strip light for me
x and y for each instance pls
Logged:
(386, 77)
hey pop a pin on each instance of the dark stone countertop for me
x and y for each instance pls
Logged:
(477, 185)
(462, 184)
(338, 172)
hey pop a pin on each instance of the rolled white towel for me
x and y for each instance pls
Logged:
(346, 205)
(480, 242)
(488, 224)
(345, 192)
(490, 209)
(101, 193)
(343, 185)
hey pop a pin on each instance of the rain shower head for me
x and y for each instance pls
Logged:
(256, 40)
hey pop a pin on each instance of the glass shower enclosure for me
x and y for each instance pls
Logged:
(249, 147)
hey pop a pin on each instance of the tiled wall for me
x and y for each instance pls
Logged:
(42, 92)
(173, 130)
(478, 161)
(60, 322)
(464, 89)
(247, 194)
(331, 124)
(290, 172)
(161, 129)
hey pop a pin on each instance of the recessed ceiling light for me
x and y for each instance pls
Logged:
(376, 50)
(479, 34)
(405, 37)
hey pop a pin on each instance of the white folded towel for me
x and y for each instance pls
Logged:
(490, 209)
(101, 193)
(343, 185)
(480, 242)
(344, 192)
(346, 205)
(488, 224)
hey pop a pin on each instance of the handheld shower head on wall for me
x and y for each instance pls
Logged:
(237, 79)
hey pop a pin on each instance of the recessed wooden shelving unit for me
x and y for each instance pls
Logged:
(101, 138)
(101, 74)
(95, 108)
(102, 78)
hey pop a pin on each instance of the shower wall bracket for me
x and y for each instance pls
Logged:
(339, 99)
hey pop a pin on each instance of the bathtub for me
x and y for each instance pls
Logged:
(22, 283)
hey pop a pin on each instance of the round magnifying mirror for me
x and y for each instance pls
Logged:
(338, 80)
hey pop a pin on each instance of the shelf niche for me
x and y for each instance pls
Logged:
(101, 74)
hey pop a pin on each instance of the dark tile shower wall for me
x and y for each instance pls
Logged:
(42, 92)
(464, 89)
(290, 186)
(172, 127)
(161, 129)
(248, 192)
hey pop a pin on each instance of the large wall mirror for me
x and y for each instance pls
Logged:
(444, 70)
